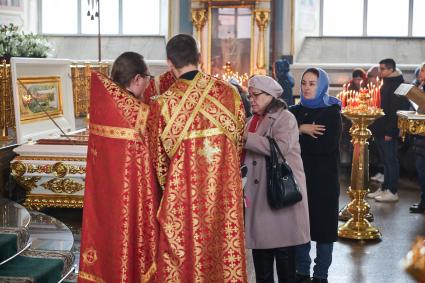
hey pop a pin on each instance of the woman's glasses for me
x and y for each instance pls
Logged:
(254, 95)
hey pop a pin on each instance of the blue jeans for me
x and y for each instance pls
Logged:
(388, 154)
(420, 168)
(322, 262)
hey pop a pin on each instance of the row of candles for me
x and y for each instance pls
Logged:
(350, 98)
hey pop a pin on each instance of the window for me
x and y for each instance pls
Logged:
(60, 16)
(418, 18)
(141, 17)
(116, 17)
(388, 18)
(372, 17)
(109, 19)
(343, 18)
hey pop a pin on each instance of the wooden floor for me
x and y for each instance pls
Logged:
(353, 261)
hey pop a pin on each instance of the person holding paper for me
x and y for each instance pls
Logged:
(419, 149)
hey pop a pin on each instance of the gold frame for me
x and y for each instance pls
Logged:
(27, 81)
(252, 8)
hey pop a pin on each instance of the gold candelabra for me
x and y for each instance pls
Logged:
(229, 74)
(362, 110)
(7, 118)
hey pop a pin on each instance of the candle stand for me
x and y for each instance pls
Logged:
(361, 113)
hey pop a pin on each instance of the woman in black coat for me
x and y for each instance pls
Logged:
(319, 121)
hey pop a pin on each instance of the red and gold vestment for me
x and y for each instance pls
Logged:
(119, 231)
(196, 133)
(158, 86)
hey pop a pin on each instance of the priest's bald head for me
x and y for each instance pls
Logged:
(182, 53)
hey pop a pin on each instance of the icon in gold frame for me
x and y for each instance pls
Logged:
(38, 95)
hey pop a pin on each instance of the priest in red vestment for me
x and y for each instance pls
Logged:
(196, 130)
(158, 85)
(120, 231)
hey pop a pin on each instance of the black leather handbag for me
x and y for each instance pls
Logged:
(282, 189)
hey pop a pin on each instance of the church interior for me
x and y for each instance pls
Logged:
(55, 44)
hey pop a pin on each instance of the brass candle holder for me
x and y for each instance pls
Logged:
(362, 113)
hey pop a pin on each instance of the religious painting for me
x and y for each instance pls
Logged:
(231, 33)
(39, 98)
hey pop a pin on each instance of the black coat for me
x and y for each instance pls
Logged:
(390, 103)
(321, 159)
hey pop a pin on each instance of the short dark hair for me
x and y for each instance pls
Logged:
(275, 104)
(126, 67)
(389, 63)
(182, 51)
(359, 72)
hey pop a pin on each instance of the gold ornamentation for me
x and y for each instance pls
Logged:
(50, 158)
(262, 19)
(90, 256)
(199, 18)
(18, 168)
(81, 80)
(127, 105)
(90, 277)
(60, 169)
(142, 118)
(358, 227)
(410, 125)
(204, 133)
(37, 201)
(114, 132)
(28, 183)
(209, 151)
(7, 117)
(63, 186)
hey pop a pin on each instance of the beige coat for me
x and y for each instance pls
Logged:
(266, 228)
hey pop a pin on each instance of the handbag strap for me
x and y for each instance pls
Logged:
(273, 144)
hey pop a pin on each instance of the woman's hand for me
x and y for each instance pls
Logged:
(312, 130)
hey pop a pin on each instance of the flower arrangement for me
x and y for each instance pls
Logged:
(14, 43)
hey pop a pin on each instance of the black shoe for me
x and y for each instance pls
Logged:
(418, 207)
(319, 280)
(300, 278)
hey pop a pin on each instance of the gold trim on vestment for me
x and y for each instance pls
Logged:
(222, 108)
(114, 132)
(232, 136)
(90, 277)
(148, 275)
(204, 133)
(142, 118)
(180, 106)
(192, 117)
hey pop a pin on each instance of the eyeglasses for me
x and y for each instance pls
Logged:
(147, 76)
(254, 95)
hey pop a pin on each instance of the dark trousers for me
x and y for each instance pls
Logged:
(285, 264)
(420, 168)
(388, 154)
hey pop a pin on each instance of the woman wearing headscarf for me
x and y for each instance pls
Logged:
(319, 122)
(272, 234)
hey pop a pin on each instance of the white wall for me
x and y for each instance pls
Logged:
(307, 21)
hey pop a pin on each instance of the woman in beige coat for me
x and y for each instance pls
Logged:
(272, 234)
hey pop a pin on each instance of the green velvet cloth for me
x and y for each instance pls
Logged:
(8, 245)
(40, 270)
